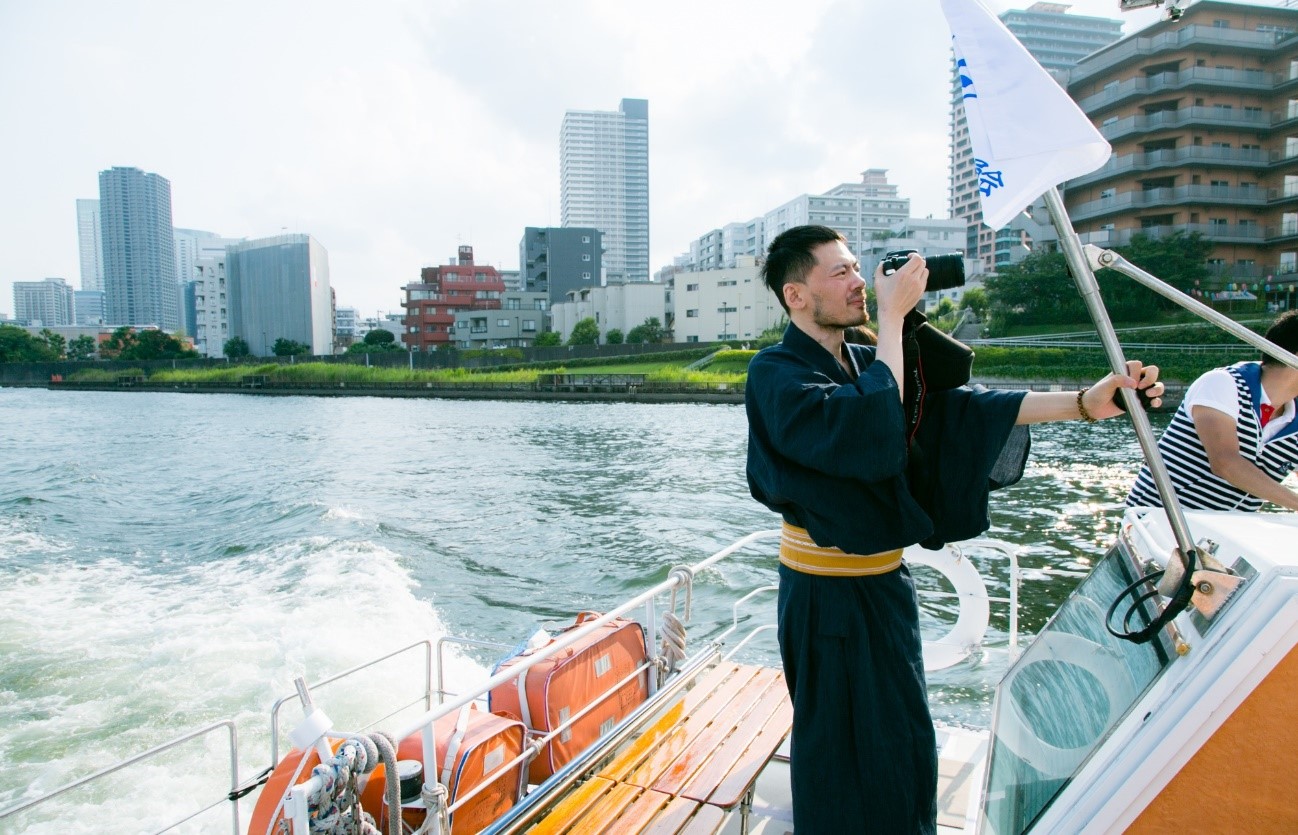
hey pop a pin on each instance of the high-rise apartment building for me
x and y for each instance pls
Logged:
(1057, 40)
(556, 261)
(89, 245)
(49, 303)
(139, 250)
(1202, 113)
(278, 288)
(604, 183)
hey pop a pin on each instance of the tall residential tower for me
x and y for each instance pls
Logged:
(604, 183)
(89, 245)
(139, 250)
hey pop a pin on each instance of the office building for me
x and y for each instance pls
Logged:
(47, 303)
(89, 306)
(613, 307)
(193, 246)
(139, 250)
(278, 288)
(1202, 114)
(515, 324)
(604, 183)
(1057, 40)
(90, 246)
(443, 292)
(724, 304)
(207, 297)
(556, 261)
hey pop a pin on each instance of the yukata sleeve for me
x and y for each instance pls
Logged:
(846, 430)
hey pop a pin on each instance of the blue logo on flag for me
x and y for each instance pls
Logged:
(988, 180)
(966, 81)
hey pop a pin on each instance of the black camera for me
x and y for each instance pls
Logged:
(944, 271)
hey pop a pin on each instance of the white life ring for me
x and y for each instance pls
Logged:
(975, 609)
(1015, 729)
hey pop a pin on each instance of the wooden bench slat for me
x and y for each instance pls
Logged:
(673, 817)
(605, 814)
(729, 788)
(705, 742)
(707, 706)
(707, 822)
(629, 758)
(572, 807)
(644, 810)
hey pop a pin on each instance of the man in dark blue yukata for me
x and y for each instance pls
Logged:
(858, 473)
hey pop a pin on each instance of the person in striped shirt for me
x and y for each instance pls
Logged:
(1234, 438)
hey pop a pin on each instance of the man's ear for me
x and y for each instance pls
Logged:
(793, 294)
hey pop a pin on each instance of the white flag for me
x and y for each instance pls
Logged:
(1027, 135)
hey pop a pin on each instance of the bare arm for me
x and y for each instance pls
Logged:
(1047, 406)
(1220, 438)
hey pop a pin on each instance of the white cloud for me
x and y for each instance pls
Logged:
(395, 131)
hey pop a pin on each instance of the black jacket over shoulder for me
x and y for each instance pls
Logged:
(829, 453)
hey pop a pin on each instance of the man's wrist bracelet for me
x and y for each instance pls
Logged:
(1081, 407)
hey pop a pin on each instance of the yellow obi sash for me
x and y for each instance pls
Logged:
(801, 553)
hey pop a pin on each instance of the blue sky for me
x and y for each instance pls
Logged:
(397, 130)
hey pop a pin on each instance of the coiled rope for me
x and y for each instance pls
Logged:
(672, 650)
(335, 806)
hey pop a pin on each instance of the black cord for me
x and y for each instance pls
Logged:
(1179, 603)
(247, 789)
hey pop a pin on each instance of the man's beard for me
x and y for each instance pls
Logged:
(850, 320)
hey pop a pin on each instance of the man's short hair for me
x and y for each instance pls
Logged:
(1283, 332)
(789, 257)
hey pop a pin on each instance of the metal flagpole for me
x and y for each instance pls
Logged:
(1090, 291)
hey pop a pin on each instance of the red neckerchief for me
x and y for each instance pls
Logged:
(1267, 410)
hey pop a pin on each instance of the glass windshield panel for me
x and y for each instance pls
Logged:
(1062, 697)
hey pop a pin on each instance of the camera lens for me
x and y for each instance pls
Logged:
(945, 271)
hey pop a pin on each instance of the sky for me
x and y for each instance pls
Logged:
(395, 131)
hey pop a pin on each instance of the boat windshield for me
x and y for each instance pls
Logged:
(1061, 698)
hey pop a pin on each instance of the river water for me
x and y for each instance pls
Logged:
(168, 560)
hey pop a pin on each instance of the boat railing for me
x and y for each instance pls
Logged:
(231, 798)
(427, 697)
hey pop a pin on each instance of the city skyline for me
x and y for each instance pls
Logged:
(395, 136)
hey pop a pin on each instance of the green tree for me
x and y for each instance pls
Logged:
(380, 336)
(376, 341)
(236, 347)
(975, 299)
(1181, 260)
(585, 332)
(650, 331)
(613, 337)
(548, 339)
(82, 348)
(289, 348)
(128, 344)
(122, 339)
(1037, 290)
(58, 344)
(17, 345)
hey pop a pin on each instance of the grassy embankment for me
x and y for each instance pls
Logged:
(730, 366)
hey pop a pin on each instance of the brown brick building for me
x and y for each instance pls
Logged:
(1202, 113)
(443, 291)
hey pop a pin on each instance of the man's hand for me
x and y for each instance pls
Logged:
(1101, 399)
(897, 294)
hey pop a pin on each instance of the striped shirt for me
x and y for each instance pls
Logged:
(1187, 460)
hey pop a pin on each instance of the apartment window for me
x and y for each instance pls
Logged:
(1221, 24)
(690, 288)
(504, 323)
(585, 239)
(585, 276)
(1221, 145)
(1248, 223)
(1218, 224)
(1108, 193)
(692, 314)
(585, 256)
